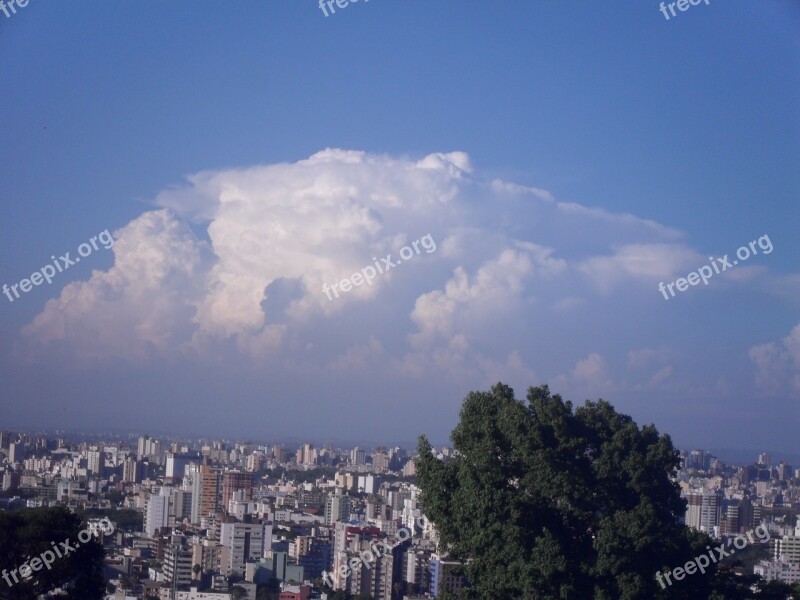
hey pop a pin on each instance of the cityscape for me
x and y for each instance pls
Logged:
(215, 520)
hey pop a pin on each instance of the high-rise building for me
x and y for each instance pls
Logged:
(205, 493)
(234, 481)
(368, 484)
(417, 571)
(784, 471)
(178, 564)
(16, 452)
(157, 513)
(306, 455)
(337, 508)
(95, 461)
(703, 510)
(176, 464)
(358, 456)
(131, 470)
(245, 543)
(380, 461)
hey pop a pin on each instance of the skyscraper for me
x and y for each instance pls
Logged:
(205, 493)
(233, 481)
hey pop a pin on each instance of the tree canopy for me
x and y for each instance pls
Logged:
(546, 502)
(28, 535)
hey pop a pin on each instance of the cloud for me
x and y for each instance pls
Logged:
(589, 378)
(778, 365)
(144, 306)
(513, 266)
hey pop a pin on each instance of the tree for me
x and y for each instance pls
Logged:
(35, 534)
(196, 568)
(545, 503)
(238, 593)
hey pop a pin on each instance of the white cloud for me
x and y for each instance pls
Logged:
(778, 365)
(513, 265)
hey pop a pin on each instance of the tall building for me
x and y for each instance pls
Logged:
(96, 461)
(16, 452)
(234, 481)
(788, 547)
(157, 513)
(380, 461)
(245, 543)
(143, 448)
(358, 456)
(703, 510)
(205, 493)
(178, 565)
(368, 484)
(176, 464)
(337, 508)
(306, 455)
(131, 470)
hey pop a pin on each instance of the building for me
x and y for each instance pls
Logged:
(234, 481)
(337, 508)
(245, 543)
(315, 558)
(156, 515)
(95, 461)
(784, 571)
(131, 470)
(306, 455)
(210, 555)
(205, 493)
(176, 464)
(16, 452)
(417, 571)
(178, 564)
(703, 510)
(445, 576)
(295, 592)
(368, 484)
(358, 456)
(788, 548)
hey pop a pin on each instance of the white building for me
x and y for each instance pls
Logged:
(157, 513)
(784, 571)
(245, 542)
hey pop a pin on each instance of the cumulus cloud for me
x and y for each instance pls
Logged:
(143, 307)
(778, 365)
(512, 263)
(590, 377)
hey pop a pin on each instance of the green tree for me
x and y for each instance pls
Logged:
(546, 502)
(26, 535)
(238, 593)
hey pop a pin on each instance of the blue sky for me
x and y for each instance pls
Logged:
(579, 154)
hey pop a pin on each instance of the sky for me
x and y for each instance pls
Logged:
(554, 162)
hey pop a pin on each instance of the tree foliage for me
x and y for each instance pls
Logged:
(546, 502)
(25, 535)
